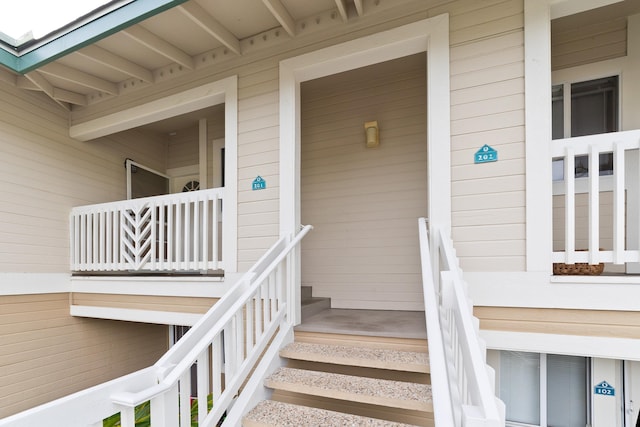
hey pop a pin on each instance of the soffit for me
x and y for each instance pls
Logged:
(188, 36)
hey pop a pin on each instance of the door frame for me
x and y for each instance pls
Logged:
(428, 35)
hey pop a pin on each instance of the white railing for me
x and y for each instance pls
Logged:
(174, 232)
(222, 348)
(623, 182)
(462, 382)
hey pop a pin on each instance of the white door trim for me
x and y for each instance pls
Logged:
(430, 36)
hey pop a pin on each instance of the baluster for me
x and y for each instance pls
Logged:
(258, 303)
(205, 238)
(273, 283)
(618, 203)
(265, 303)
(95, 251)
(239, 328)
(187, 236)
(179, 236)
(164, 408)
(171, 227)
(102, 223)
(215, 232)
(229, 339)
(127, 417)
(249, 308)
(185, 399)
(594, 205)
(216, 367)
(162, 236)
(196, 236)
(153, 222)
(77, 238)
(109, 239)
(203, 384)
(569, 205)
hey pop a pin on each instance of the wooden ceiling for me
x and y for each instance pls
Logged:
(187, 37)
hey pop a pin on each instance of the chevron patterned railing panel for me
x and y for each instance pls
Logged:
(175, 232)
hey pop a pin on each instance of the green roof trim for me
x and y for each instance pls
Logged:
(77, 38)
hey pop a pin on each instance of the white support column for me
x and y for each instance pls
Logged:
(537, 42)
(202, 144)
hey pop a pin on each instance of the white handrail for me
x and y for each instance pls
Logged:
(463, 393)
(442, 405)
(260, 299)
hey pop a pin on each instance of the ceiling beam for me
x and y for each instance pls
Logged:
(204, 20)
(76, 76)
(24, 83)
(70, 97)
(116, 62)
(342, 8)
(280, 12)
(359, 7)
(39, 80)
(159, 45)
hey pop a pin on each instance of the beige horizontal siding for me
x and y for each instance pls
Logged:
(145, 302)
(574, 43)
(45, 173)
(487, 107)
(46, 353)
(601, 323)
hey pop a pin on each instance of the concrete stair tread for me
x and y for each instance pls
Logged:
(408, 361)
(395, 394)
(269, 413)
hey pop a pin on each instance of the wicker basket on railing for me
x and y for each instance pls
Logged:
(578, 269)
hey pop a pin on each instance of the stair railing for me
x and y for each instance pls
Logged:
(222, 348)
(224, 353)
(462, 382)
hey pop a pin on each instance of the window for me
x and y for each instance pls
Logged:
(592, 108)
(560, 382)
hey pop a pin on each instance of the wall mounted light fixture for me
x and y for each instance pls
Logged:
(371, 131)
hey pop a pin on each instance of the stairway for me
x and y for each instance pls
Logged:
(349, 380)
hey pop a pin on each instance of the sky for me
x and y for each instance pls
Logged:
(18, 17)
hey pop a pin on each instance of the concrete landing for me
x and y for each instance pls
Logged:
(380, 323)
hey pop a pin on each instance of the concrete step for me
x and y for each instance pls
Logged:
(305, 292)
(312, 306)
(269, 413)
(407, 361)
(373, 391)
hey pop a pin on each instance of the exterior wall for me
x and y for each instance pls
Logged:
(584, 44)
(44, 173)
(587, 323)
(487, 96)
(487, 107)
(363, 203)
(46, 353)
(145, 302)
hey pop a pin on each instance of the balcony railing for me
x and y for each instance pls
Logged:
(170, 233)
(584, 233)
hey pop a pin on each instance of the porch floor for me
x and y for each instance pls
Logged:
(378, 323)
